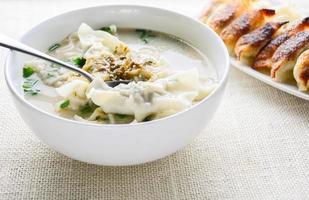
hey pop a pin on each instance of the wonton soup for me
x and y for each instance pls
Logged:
(166, 76)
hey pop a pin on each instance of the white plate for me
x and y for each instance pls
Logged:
(289, 88)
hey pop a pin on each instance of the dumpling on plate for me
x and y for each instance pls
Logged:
(246, 23)
(224, 14)
(301, 71)
(285, 57)
(263, 59)
(249, 45)
(211, 8)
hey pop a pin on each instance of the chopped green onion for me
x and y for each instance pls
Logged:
(145, 34)
(53, 47)
(88, 108)
(112, 29)
(32, 92)
(107, 29)
(121, 116)
(79, 61)
(65, 104)
(27, 71)
(28, 87)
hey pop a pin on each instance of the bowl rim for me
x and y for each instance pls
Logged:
(21, 99)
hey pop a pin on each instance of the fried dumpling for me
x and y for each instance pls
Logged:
(263, 59)
(285, 57)
(249, 45)
(210, 9)
(301, 71)
(246, 23)
(225, 13)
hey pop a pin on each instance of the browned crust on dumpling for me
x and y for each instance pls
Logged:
(244, 24)
(225, 14)
(259, 36)
(300, 26)
(223, 17)
(289, 48)
(289, 51)
(212, 8)
(263, 59)
(248, 46)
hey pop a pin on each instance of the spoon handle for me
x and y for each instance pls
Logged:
(12, 44)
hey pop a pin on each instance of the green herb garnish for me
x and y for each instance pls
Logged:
(107, 29)
(28, 87)
(27, 71)
(112, 29)
(79, 61)
(121, 116)
(148, 118)
(144, 35)
(65, 104)
(53, 47)
(88, 108)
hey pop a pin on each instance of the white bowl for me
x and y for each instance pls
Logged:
(119, 144)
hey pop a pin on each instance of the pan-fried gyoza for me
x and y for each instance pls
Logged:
(263, 59)
(225, 13)
(249, 45)
(263, 39)
(246, 23)
(285, 57)
(301, 71)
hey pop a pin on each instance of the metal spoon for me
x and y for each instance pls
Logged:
(12, 44)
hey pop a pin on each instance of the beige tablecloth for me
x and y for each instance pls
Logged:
(256, 147)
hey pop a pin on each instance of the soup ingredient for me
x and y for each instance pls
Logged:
(112, 29)
(155, 91)
(117, 62)
(75, 92)
(87, 109)
(145, 35)
(50, 74)
(94, 38)
(28, 71)
(29, 87)
(79, 61)
(111, 67)
(65, 104)
(163, 96)
(53, 47)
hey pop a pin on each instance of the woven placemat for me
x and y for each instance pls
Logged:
(256, 147)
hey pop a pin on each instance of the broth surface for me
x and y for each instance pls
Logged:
(172, 52)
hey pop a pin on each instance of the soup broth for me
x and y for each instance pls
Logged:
(158, 64)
